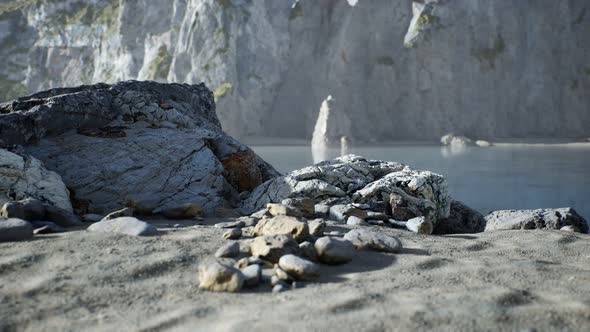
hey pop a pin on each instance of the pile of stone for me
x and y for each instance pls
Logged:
(283, 246)
(357, 191)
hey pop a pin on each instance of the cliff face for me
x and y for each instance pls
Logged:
(397, 69)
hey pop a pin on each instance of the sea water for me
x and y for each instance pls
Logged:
(487, 179)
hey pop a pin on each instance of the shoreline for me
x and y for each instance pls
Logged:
(300, 142)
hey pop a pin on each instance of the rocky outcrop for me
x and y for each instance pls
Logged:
(23, 176)
(135, 141)
(356, 180)
(390, 65)
(536, 219)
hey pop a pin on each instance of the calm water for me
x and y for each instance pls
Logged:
(511, 177)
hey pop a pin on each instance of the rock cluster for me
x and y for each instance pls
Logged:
(283, 251)
(354, 189)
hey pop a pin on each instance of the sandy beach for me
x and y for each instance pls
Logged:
(501, 281)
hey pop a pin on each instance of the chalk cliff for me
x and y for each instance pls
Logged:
(398, 69)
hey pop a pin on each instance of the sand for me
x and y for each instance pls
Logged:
(501, 281)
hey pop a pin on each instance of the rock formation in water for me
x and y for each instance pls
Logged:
(399, 70)
(136, 143)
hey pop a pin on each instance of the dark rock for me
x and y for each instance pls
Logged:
(462, 219)
(14, 229)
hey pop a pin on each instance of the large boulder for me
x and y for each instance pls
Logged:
(23, 176)
(353, 179)
(535, 219)
(139, 141)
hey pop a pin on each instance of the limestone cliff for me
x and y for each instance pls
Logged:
(398, 69)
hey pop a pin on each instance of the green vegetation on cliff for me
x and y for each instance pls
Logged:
(11, 89)
(489, 55)
(222, 90)
(161, 65)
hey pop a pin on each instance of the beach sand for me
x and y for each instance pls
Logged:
(500, 281)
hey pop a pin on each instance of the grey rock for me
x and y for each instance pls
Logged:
(34, 210)
(322, 211)
(183, 211)
(355, 221)
(307, 250)
(231, 224)
(106, 142)
(124, 225)
(252, 275)
(316, 227)
(261, 214)
(125, 212)
(342, 212)
(233, 234)
(62, 217)
(420, 225)
(303, 204)
(362, 238)
(13, 229)
(27, 209)
(535, 219)
(272, 247)
(23, 176)
(334, 250)
(216, 276)
(228, 250)
(461, 220)
(300, 268)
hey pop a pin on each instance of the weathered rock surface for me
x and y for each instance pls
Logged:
(23, 176)
(303, 204)
(353, 179)
(124, 225)
(283, 225)
(252, 52)
(362, 238)
(462, 219)
(216, 276)
(535, 219)
(300, 268)
(230, 249)
(332, 250)
(13, 229)
(109, 143)
(272, 247)
(232, 234)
